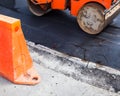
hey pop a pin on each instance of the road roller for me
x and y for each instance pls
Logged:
(92, 15)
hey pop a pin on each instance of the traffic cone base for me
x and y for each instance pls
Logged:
(30, 77)
(15, 61)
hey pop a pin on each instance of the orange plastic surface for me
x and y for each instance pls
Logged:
(15, 60)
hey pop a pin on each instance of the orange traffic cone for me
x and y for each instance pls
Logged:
(15, 61)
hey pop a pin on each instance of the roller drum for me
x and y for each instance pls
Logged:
(93, 17)
(38, 9)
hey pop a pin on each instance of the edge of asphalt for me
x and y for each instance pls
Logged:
(92, 73)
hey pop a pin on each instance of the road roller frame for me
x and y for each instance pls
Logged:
(92, 15)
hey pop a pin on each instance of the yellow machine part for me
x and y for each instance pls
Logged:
(43, 1)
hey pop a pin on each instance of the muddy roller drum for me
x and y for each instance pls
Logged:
(91, 18)
(38, 9)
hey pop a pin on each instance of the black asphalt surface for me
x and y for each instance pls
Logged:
(59, 30)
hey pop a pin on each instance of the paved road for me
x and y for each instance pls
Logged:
(59, 30)
(52, 84)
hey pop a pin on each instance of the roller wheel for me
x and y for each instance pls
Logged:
(38, 10)
(91, 19)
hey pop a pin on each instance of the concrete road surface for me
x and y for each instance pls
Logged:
(61, 75)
